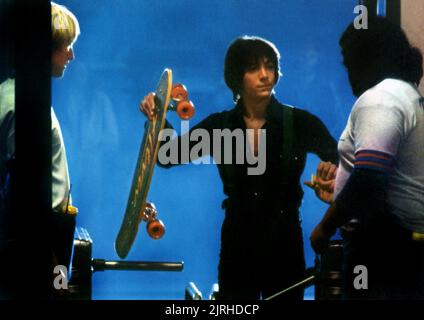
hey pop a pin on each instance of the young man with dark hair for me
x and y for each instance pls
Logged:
(379, 188)
(261, 237)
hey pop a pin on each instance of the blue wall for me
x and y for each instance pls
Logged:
(123, 48)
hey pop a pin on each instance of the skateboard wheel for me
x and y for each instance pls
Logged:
(155, 229)
(185, 109)
(179, 92)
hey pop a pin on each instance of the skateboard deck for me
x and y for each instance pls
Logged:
(144, 169)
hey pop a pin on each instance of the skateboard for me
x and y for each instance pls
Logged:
(167, 97)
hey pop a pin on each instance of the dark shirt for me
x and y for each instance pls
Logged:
(253, 192)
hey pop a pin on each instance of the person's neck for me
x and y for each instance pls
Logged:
(255, 109)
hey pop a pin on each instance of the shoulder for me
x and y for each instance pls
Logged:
(304, 121)
(217, 117)
(214, 120)
(299, 114)
(7, 86)
(7, 96)
(391, 97)
(222, 117)
(388, 94)
(303, 117)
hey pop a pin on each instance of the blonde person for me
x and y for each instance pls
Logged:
(65, 31)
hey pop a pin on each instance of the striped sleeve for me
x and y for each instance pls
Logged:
(374, 160)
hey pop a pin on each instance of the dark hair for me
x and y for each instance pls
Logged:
(241, 53)
(379, 52)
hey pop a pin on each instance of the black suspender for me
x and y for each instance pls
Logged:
(228, 169)
(288, 139)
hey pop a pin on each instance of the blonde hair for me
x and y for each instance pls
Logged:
(65, 26)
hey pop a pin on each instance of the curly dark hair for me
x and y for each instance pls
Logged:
(379, 52)
(241, 53)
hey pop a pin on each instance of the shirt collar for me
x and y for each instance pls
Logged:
(271, 112)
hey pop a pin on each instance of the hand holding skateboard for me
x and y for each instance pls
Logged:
(179, 102)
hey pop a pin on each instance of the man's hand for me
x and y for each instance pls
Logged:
(147, 106)
(323, 182)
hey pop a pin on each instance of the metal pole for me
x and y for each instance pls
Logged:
(101, 265)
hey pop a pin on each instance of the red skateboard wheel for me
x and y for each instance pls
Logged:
(179, 92)
(155, 229)
(185, 109)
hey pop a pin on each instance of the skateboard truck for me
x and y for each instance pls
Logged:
(155, 227)
(179, 102)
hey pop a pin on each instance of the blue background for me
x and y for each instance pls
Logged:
(123, 48)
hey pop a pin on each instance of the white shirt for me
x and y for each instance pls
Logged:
(385, 131)
(60, 175)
